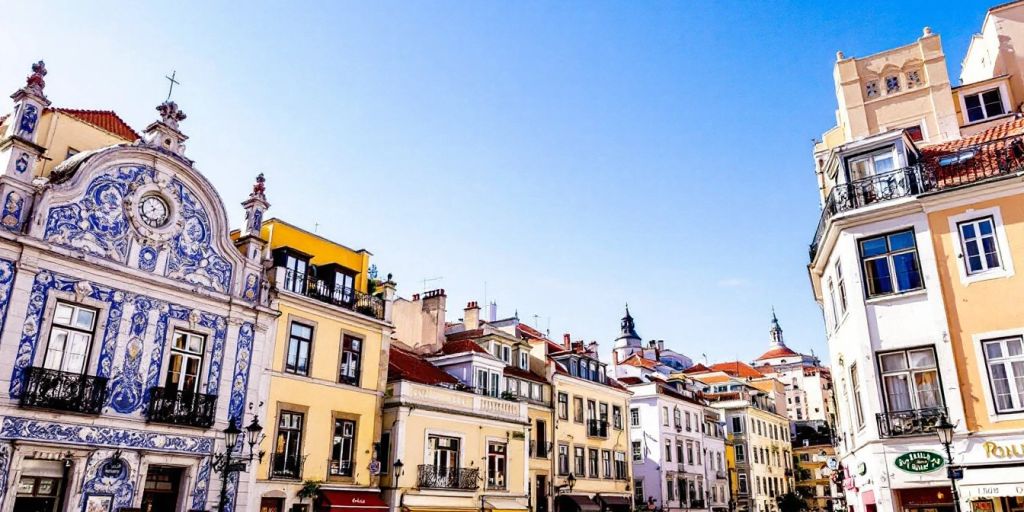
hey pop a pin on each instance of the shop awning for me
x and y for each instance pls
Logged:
(503, 505)
(349, 501)
(615, 501)
(582, 502)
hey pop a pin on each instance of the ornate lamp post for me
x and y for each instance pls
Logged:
(225, 463)
(945, 432)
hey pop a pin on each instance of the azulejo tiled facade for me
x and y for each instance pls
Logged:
(129, 322)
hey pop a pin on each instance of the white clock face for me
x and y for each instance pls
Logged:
(154, 211)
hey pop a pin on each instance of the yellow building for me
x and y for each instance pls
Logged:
(591, 464)
(326, 378)
(812, 448)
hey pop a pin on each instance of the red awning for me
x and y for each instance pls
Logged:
(350, 501)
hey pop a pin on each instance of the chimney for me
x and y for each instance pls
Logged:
(492, 312)
(661, 345)
(432, 307)
(471, 316)
(567, 341)
(592, 347)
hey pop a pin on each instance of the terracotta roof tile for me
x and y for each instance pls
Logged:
(782, 351)
(736, 369)
(631, 381)
(462, 346)
(640, 362)
(697, 368)
(103, 119)
(523, 374)
(465, 335)
(408, 366)
(994, 152)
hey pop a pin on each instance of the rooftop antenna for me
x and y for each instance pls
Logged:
(173, 83)
(316, 227)
(430, 279)
(536, 321)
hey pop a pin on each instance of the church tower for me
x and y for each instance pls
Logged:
(775, 333)
(628, 342)
(19, 150)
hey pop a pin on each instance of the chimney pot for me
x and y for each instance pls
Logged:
(567, 341)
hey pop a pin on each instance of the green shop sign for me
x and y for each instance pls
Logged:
(920, 462)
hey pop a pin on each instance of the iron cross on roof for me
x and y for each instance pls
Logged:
(173, 83)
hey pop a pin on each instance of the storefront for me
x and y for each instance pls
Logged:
(993, 474)
(615, 503)
(576, 503)
(924, 499)
(349, 501)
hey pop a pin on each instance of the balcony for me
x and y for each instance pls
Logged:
(966, 166)
(63, 391)
(167, 405)
(914, 422)
(456, 401)
(597, 428)
(287, 467)
(720, 474)
(434, 477)
(341, 296)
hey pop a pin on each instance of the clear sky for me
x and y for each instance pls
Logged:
(563, 157)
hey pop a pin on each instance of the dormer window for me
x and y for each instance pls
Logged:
(873, 164)
(892, 84)
(573, 368)
(871, 89)
(984, 105)
(506, 354)
(524, 360)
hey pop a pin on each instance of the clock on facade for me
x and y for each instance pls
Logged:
(153, 211)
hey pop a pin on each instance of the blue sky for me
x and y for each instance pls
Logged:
(566, 157)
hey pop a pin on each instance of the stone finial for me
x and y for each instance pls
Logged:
(35, 81)
(839, 55)
(259, 189)
(926, 32)
(170, 114)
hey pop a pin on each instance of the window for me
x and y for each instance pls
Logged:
(580, 465)
(617, 417)
(677, 417)
(351, 355)
(1005, 361)
(890, 264)
(384, 452)
(737, 425)
(606, 463)
(871, 89)
(524, 360)
(670, 485)
(563, 406)
(638, 491)
(573, 368)
(620, 466)
(741, 455)
(668, 450)
(913, 78)
(841, 287)
(496, 465)
(288, 446)
(443, 453)
(755, 455)
(299, 340)
(855, 383)
(577, 409)
(741, 483)
(689, 453)
(541, 439)
(915, 133)
(892, 84)
(664, 416)
(186, 362)
(602, 413)
(295, 273)
(638, 454)
(70, 153)
(697, 447)
(872, 164)
(592, 456)
(506, 354)
(688, 425)
(342, 447)
(984, 105)
(910, 380)
(563, 459)
(833, 320)
(978, 241)
(70, 338)
(679, 451)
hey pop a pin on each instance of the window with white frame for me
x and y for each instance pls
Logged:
(496, 464)
(833, 320)
(563, 459)
(342, 448)
(638, 454)
(890, 263)
(978, 242)
(579, 462)
(841, 287)
(910, 380)
(668, 450)
(1004, 359)
(351, 355)
(855, 384)
(664, 416)
(70, 338)
(984, 105)
(741, 454)
(741, 483)
(524, 360)
(186, 362)
(872, 164)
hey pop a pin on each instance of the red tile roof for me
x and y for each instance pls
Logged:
(103, 119)
(782, 351)
(630, 381)
(697, 368)
(408, 366)
(993, 152)
(640, 362)
(519, 373)
(736, 369)
(1002, 131)
(465, 335)
(462, 346)
(529, 332)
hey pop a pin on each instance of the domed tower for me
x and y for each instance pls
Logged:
(776, 332)
(628, 342)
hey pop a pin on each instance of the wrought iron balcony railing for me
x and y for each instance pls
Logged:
(286, 466)
(169, 405)
(935, 172)
(64, 391)
(341, 296)
(434, 477)
(914, 422)
(597, 428)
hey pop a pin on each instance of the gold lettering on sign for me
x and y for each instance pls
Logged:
(1007, 451)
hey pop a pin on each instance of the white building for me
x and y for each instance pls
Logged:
(808, 384)
(129, 321)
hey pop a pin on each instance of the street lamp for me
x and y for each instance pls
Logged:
(225, 463)
(945, 432)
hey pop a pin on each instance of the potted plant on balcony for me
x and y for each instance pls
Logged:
(309, 489)
(510, 396)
